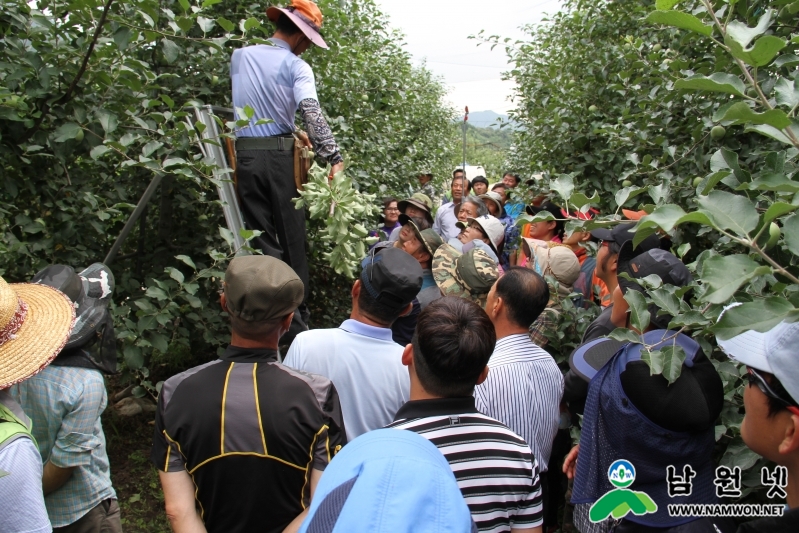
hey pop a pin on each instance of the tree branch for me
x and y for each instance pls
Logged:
(81, 71)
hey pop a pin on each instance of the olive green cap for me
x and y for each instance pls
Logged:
(260, 287)
(470, 275)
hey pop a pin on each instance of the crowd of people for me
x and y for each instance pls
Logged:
(433, 407)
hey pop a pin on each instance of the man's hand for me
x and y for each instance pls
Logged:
(179, 499)
(303, 137)
(570, 463)
(54, 477)
(338, 167)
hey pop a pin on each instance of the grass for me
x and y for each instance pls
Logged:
(135, 479)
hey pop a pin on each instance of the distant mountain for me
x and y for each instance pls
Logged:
(486, 119)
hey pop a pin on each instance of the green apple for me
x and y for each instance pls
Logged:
(718, 132)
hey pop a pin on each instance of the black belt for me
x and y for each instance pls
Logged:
(265, 143)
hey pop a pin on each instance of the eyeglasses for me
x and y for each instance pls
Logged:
(754, 378)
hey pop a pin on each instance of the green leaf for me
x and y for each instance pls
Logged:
(578, 199)
(155, 292)
(679, 19)
(251, 23)
(774, 133)
(667, 217)
(133, 357)
(175, 274)
(787, 60)
(741, 113)
(563, 185)
(790, 231)
(666, 4)
(718, 82)
(724, 275)
(742, 34)
(765, 49)
(623, 195)
(673, 359)
(771, 182)
(122, 37)
(159, 342)
(639, 314)
(760, 315)
(206, 24)
(185, 5)
(227, 235)
(186, 259)
(98, 151)
(66, 132)
(730, 211)
(171, 50)
(655, 360)
(787, 93)
(777, 210)
(226, 24)
(624, 335)
(666, 300)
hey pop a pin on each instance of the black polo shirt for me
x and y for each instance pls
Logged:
(248, 430)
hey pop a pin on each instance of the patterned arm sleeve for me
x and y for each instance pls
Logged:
(319, 132)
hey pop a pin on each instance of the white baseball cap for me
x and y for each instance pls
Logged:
(492, 227)
(775, 351)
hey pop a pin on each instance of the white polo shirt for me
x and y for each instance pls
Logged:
(365, 366)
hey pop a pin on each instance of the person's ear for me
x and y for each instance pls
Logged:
(613, 263)
(483, 375)
(407, 310)
(356, 289)
(407, 355)
(285, 323)
(499, 306)
(223, 302)
(585, 236)
(790, 441)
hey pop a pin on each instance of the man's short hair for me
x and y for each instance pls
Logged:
(378, 312)
(515, 177)
(525, 294)
(286, 26)
(499, 185)
(458, 171)
(254, 329)
(453, 341)
(479, 204)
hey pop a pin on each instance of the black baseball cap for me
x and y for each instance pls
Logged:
(661, 263)
(392, 277)
(622, 234)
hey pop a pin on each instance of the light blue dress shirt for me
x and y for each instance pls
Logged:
(273, 81)
(364, 364)
(445, 221)
(65, 403)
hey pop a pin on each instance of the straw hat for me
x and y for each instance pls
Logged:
(35, 323)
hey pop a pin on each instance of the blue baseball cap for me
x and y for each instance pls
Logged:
(388, 480)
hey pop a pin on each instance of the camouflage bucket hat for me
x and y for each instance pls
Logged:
(431, 240)
(468, 275)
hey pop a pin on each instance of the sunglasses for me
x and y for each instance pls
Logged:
(754, 378)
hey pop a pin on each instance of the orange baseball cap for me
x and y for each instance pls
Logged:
(306, 15)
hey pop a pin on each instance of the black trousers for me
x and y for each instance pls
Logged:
(266, 187)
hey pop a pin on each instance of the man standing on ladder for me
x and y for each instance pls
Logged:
(276, 83)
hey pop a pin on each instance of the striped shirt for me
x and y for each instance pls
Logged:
(523, 390)
(493, 466)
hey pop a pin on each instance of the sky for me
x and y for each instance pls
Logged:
(437, 32)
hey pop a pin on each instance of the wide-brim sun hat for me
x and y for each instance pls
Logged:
(494, 197)
(35, 323)
(419, 200)
(306, 15)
